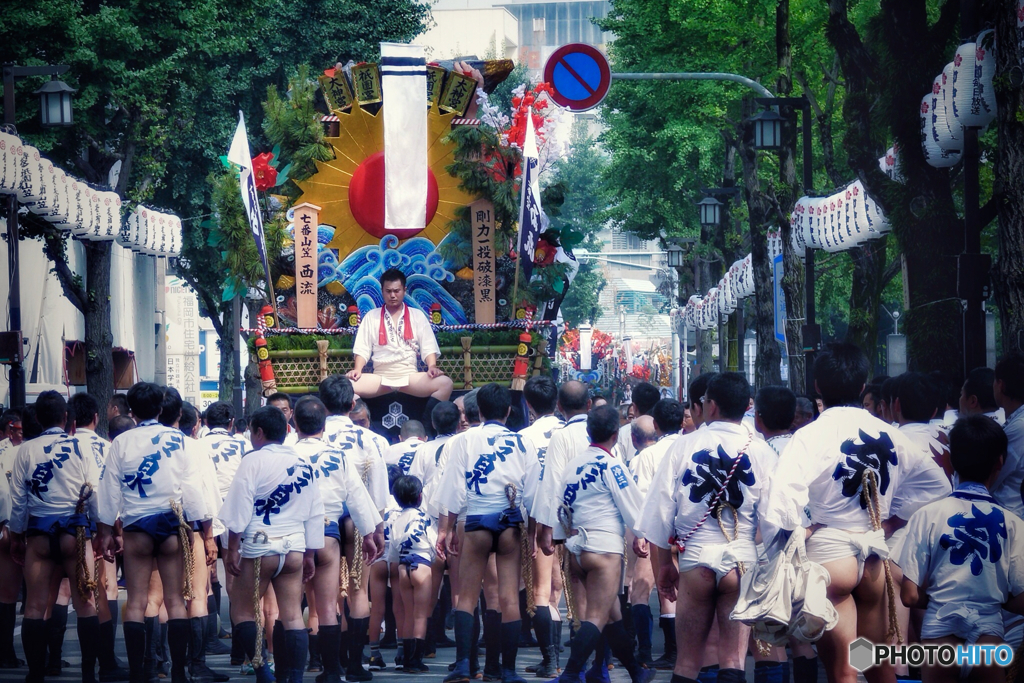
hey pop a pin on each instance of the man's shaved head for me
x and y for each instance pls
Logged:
(412, 428)
(642, 431)
(574, 398)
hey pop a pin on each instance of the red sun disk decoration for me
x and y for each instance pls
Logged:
(366, 198)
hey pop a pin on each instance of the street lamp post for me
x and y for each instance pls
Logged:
(769, 126)
(55, 105)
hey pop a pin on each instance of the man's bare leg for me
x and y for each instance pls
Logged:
(9, 589)
(358, 608)
(602, 616)
(873, 614)
(325, 592)
(476, 547)
(834, 646)
(423, 385)
(640, 598)
(543, 567)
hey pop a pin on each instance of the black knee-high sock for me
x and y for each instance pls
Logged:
(245, 634)
(329, 636)
(8, 619)
(179, 632)
(280, 649)
(622, 647)
(135, 644)
(676, 678)
(474, 650)
(805, 669)
(56, 626)
(642, 626)
(389, 616)
(771, 672)
(542, 625)
(524, 618)
(463, 635)
(115, 612)
(510, 644)
(583, 643)
(732, 676)
(89, 639)
(216, 593)
(494, 636)
(627, 615)
(106, 652)
(162, 644)
(668, 627)
(33, 639)
(296, 644)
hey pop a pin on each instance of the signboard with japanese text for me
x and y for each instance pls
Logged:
(307, 218)
(182, 321)
(481, 214)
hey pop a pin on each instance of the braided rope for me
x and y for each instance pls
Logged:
(713, 505)
(571, 611)
(343, 577)
(356, 569)
(87, 585)
(188, 559)
(869, 492)
(257, 609)
(525, 558)
(763, 648)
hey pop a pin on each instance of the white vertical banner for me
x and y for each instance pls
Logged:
(403, 70)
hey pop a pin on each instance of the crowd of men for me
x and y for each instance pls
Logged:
(329, 538)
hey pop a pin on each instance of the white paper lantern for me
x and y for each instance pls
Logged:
(139, 243)
(10, 163)
(30, 184)
(174, 245)
(963, 81)
(974, 96)
(774, 245)
(835, 241)
(690, 313)
(58, 212)
(889, 163)
(935, 155)
(797, 222)
(43, 198)
(76, 212)
(711, 313)
(875, 215)
(950, 131)
(110, 215)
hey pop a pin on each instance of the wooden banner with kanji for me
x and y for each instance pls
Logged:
(481, 214)
(307, 218)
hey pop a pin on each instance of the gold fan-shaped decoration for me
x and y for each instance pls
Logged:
(361, 136)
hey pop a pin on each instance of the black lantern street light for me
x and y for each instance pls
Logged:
(676, 256)
(767, 130)
(768, 136)
(710, 212)
(55, 104)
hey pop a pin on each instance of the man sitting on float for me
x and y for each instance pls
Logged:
(394, 337)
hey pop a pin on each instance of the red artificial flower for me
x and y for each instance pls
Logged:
(263, 172)
(544, 253)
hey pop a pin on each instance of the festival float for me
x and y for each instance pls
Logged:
(427, 177)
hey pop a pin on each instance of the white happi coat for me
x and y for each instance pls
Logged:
(424, 466)
(689, 477)
(819, 480)
(226, 450)
(566, 443)
(932, 439)
(480, 466)
(413, 532)
(624, 448)
(403, 454)
(1008, 489)
(275, 492)
(340, 484)
(96, 444)
(599, 492)
(540, 433)
(645, 465)
(967, 553)
(47, 478)
(366, 451)
(146, 468)
(396, 360)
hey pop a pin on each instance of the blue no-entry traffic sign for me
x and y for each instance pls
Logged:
(579, 75)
